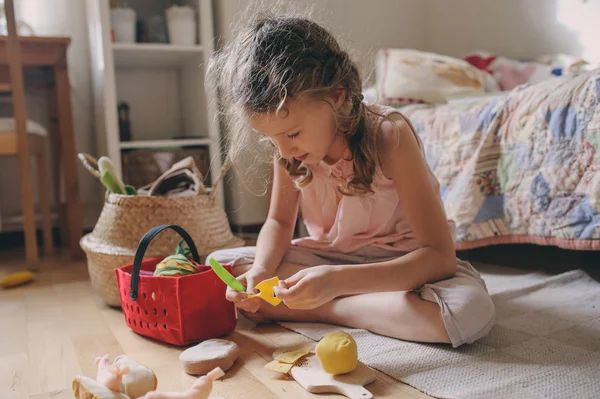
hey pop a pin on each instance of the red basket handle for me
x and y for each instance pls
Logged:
(143, 245)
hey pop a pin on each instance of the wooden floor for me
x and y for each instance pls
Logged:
(52, 329)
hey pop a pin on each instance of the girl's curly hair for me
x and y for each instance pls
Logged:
(279, 57)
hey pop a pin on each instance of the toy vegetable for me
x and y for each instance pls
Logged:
(176, 265)
(225, 276)
(16, 279)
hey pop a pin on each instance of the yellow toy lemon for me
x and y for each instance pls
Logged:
(16, 279)
(265, 291)
(337, 353)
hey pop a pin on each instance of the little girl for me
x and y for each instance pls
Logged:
(380, 254)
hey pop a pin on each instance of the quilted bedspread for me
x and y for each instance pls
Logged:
(523, 167)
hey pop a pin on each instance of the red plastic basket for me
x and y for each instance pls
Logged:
(176, 310)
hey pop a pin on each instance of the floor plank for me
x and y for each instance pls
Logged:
(53, 329)
(13, 376)
(52, 360)
(13, 321)
(90, 334)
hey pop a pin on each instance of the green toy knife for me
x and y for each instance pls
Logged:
(224, 275)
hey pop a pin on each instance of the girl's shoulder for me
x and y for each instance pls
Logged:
(386, 122)
(377, 113)
(395, 136)
(388, 125)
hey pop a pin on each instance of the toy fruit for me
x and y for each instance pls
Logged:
(337, 352)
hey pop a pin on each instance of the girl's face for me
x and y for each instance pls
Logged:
(306, 132)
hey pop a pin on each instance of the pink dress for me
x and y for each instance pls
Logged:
(340, 223)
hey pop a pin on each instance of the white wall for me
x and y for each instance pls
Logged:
(514, 28)
(59, 18)
(362, 26)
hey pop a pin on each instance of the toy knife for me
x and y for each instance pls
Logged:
(224, 275)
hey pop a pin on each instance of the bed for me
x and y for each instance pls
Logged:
(519, 166)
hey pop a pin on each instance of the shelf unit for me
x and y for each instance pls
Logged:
(146, 144)
(162, 83)
(158, 55)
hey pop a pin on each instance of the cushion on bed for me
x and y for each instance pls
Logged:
(406, 76)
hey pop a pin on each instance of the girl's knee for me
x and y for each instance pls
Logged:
(432, 314)
(487, 316)
(468, 313)
(233, 256)
(477, 319)
(223, 256)
(425, 318)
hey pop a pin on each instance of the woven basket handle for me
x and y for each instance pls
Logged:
(90, 163)
(224, 170)
(143, 245)
(186, 164)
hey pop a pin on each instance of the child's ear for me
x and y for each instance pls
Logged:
(339, 97)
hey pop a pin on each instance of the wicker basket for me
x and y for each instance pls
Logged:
(125, 219)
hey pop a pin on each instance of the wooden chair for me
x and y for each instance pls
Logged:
(25, 139)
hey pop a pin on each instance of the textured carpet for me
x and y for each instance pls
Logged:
(545, 344)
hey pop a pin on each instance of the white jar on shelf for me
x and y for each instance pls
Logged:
(181, 23)
(122, 21)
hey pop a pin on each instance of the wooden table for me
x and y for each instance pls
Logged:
(49, 55)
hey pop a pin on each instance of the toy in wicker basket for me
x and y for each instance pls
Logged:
(174, 299)
(177, 197)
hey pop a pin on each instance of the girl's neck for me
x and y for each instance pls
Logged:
(336, 151)
(340, 144)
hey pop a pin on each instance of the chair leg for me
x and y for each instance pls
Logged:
(61, 208)
(13, 52)
(28, 207)
(44, 198)
(57, 180)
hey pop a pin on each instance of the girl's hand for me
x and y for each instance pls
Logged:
(309, 288)
(249, 280)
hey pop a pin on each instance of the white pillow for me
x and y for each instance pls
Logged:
(412, 76)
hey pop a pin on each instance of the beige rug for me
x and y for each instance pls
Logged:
(545, 344)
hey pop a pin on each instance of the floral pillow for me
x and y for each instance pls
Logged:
(405, 76)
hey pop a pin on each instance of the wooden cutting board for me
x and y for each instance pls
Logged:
(311, 376)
